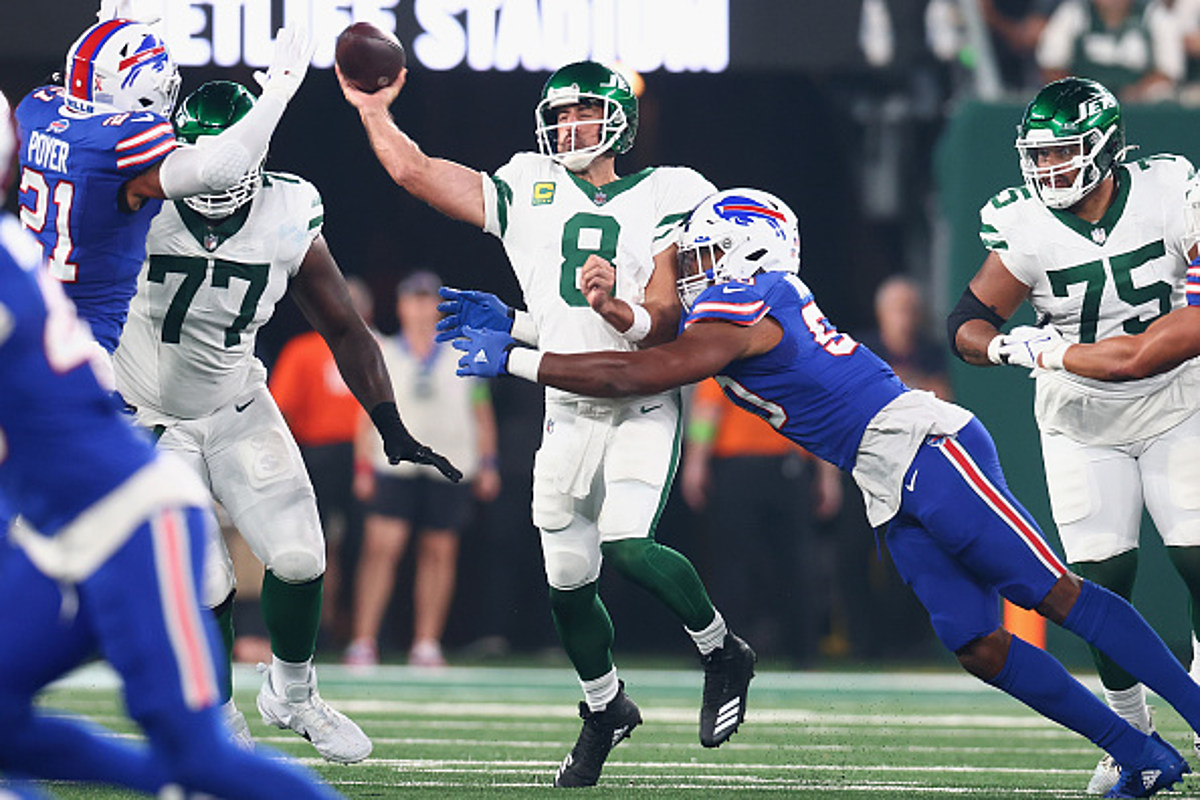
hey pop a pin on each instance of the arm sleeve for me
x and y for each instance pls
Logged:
(215, 163)
(686, 189)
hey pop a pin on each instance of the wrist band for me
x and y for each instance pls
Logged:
(523, 328)
(993, 349)
(524, 362)
(641, 323)
(1053, 358)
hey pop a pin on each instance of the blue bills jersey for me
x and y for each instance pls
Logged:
(56, 423)
(72, 171)
(818, 387)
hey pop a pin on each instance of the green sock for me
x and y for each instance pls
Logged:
(292, 613)
(223, 614)
(666, 574)
(584, 628)
(1187, 564)
(1115, 574)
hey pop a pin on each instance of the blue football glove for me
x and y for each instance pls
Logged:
(485, 353)
(465, 308)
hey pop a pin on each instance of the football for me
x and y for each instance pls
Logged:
(368, 56)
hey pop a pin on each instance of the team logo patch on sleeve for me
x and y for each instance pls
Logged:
(543, 193)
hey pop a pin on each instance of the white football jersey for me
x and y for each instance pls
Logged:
(204, 291)
(550, 221)
(1093, 281)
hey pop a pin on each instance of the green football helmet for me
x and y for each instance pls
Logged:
(586, 82)
(207, 111)
(1074, 124)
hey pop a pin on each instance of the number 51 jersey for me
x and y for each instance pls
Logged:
(1093, 281)
(206, 288)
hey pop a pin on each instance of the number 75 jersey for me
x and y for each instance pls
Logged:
(203, 293)
(1094, 281)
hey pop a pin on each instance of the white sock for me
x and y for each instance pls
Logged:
(713, 635)
(285, 673)
(599, 692)
(1130, 705)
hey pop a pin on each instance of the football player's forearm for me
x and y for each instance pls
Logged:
(599, 374)
(972, 340)
(361, 365)
(398, 153)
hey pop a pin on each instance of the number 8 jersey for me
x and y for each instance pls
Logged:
(206, 288)
(550, 221)
(1093, 281)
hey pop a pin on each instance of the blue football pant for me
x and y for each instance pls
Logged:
(140, 610)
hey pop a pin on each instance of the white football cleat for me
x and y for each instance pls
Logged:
(235, 723)
(301, 709)
(1105, 776)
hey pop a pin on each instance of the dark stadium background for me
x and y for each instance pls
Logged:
(798, 113)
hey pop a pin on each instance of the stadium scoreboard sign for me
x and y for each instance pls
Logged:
(482, 35)
(681, 36)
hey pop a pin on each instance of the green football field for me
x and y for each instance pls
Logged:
(500, 732)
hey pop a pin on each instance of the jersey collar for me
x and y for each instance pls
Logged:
(1100, 231)
(602, 194)
(211, 234)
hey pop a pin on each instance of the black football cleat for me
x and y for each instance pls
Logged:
(602, 731)
(727, 674)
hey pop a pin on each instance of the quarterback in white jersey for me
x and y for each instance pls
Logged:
(594, 255)
(216, 267)
(1097, 247)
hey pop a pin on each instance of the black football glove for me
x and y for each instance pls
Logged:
(399, 444)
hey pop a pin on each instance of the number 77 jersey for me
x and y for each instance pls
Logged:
(206, 288)
(73, 170)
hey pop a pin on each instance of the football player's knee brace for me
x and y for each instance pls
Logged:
(571, 557)
(297, 565)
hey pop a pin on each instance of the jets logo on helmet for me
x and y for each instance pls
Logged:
(208, 111)
(732, 236)
(584, 83)
(118, 65)
(1070, 137)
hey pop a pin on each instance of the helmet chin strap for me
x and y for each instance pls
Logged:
(578, 160)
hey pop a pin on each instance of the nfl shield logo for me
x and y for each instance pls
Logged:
(211, 241)
(1099, 235)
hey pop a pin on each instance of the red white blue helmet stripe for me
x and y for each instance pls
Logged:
(80, 83)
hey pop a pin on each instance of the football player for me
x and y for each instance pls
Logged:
(98, 156)
(594, 255)
(1096, 246)
(928, 469)
(217, 265)
(109, 559)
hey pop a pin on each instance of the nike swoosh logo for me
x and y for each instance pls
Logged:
(729, 289)
(912, 482)
(648, 409)
(243, 406)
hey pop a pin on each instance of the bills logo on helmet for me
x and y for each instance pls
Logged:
(744, 211)
(150, 53)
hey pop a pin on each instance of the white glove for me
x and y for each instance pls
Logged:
(145, 11)
(1029, 347)
(293, 52)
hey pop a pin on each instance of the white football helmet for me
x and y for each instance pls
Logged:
(743, 232)
(8, 145)
(118, 65)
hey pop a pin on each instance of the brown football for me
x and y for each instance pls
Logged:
(368, 56)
